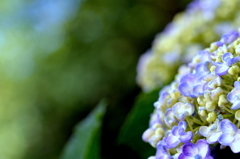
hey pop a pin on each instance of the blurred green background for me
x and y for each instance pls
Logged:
(59, 58)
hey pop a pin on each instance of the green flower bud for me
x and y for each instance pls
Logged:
(212, 116)
(212, 68)
(201, 101)
(234, 70)
(237, 50)
(202, 113)
(237, 115)
(159, 132)
(156, 125)
(222, 100)
(207, 95)
(213, 46)
(210, 106)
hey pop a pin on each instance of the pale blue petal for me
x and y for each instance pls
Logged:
(198, 90)
(172, 141)
(182, 156)
(230, 97)
(221, 70)
(236, 105)
(225, 139)
(226, 57)
(187, 137)
(175, 130)
(185, 89)
(213, 138)
(227, 126)
(183, 125)
(237, 84)
(204, 131)
(235, 146)
(188, 78)
(203, 148)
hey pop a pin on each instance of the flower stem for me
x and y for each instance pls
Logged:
(234, 121)
(189, 124)
(228, 86)
(196, 121)
(196, 129)
(227, 115)
(228, 110)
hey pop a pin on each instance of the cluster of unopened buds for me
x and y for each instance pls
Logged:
(201, 107)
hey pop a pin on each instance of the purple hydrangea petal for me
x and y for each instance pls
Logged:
(236, 59)
(213, 138)
(200, 67)
(172, 141)
(218, 64)
(232, 61)
(175, 130)
(230, 97)
(236, 105)
(228, 38)
(161, 146)
(182, 124)
(219, 43)
(235, 145)
(187, 137)
(162, 153)
(189, 149)
(198, 90)
(188, 78)
(226, 138)
(181, 131)
(227, 126)
(206, 67)
(203, 148)
(185, 89)
(204, 131)
(237, 84)
(147, 133)
(226, 57)
(163, 96)
(234, 96)
(222, 70)
(169, 118)
(182, 156)
(205, 55)
(217, 81)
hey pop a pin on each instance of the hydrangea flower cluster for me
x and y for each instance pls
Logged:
(203, 21)
(201, 107)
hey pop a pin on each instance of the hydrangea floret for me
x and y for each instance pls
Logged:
(201, 107)
(202, 22)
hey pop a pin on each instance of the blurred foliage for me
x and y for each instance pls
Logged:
(85, 142)
(59, 58)
(136, 123)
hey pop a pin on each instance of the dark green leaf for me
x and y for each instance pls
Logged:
(84, 143)
(137, 122)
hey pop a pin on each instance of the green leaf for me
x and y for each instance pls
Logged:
(136, 123)
(85, 142)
